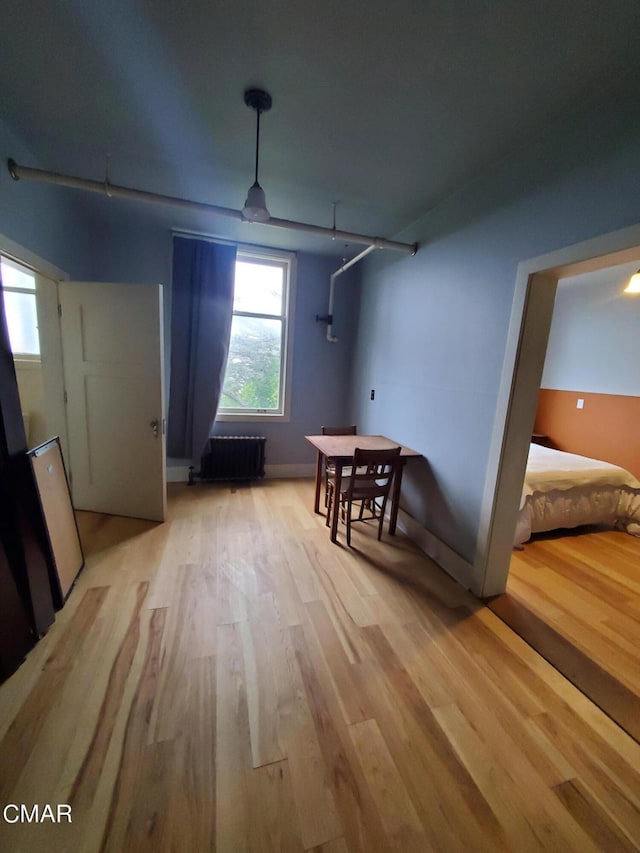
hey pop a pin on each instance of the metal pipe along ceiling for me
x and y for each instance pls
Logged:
(18, 172)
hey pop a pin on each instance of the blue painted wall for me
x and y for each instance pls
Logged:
(433, 328)
(46, 220)
(594, 342)
(129, 244)
(94, 238)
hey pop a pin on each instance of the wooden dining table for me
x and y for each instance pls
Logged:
(339, 451)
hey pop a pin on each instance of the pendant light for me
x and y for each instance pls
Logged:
(255, 207)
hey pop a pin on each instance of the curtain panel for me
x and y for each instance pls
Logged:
(201, 312)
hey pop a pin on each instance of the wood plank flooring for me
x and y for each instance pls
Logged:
(232, 681)
(575, 596)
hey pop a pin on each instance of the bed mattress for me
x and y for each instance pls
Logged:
(563, 490)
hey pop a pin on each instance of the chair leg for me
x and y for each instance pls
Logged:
(349, 524)
(380, 523)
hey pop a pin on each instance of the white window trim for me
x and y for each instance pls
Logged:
(257, 416)
(27, 362)
(52, 366)
(22, 358)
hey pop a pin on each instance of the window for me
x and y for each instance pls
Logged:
(19, 293)
(255, 383)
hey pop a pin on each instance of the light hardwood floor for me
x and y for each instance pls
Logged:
(575, 596)
(232, 681)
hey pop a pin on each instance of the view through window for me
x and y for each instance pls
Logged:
(255, 377)
(19, 293)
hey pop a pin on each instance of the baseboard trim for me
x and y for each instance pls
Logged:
(180, 473)
(452, 563)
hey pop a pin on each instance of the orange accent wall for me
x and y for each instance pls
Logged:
(608, 427)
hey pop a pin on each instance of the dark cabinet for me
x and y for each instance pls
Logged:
(16, 633)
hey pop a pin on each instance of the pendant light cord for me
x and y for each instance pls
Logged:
(257, 142)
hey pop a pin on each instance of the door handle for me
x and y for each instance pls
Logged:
(155, 427)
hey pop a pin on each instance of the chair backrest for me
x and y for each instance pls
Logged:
(372, 473)
(340, 430)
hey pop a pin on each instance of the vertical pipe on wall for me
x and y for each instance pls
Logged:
(332, 284)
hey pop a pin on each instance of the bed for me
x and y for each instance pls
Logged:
(564, 490)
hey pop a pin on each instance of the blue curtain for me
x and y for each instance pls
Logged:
(201, 311)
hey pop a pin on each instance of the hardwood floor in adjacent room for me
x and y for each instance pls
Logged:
(575, 597)
(232, 681)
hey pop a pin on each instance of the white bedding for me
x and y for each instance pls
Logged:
(565, 490)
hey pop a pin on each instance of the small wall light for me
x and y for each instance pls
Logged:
(634, 284)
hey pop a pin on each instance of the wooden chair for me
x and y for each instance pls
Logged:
(368, 485)
(329, 470)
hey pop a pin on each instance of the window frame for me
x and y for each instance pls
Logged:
(26, 359)
(287, 260)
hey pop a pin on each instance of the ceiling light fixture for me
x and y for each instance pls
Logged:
(634, 284)
(255, 207)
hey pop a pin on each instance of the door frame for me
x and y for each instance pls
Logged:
(529, 326)
(47, 270)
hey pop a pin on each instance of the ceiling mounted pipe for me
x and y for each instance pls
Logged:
(105, 187)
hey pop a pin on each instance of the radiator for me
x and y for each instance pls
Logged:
(233, 457)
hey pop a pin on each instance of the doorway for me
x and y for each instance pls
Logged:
(531, 314)
(88, 359)
(31, 308)
(557, 624)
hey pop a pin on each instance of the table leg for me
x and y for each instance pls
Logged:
(395, 499)
(319, 473)
(336, 501)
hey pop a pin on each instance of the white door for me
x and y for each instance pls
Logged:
(113, 367)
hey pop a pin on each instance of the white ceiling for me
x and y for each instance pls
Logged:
(605, 280)
(386, 107)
